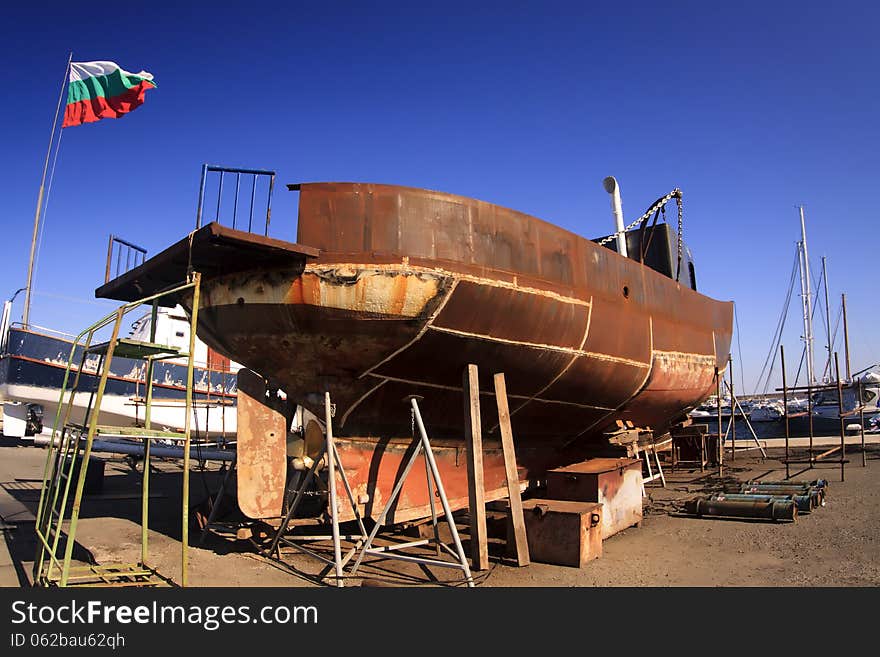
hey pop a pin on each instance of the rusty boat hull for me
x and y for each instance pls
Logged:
(409, 286)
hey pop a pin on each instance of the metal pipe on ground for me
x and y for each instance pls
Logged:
(816, 483)
(136, 449)
(742, 509)
(817, 494)
(798, 490)
(805, 503)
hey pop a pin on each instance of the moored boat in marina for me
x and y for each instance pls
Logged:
(33, 362)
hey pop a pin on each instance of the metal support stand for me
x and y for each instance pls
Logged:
(734, 404)
(388, 552)
(330, 454)
(215, 504)
(648, 451)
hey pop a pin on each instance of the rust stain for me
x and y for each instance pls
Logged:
(373, 467)
(261, 450)
(366, 290)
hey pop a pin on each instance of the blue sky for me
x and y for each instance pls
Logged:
(750, 108)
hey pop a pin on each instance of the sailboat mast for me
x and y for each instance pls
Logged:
(806, 298)
(30, 276)
(845, 335)
(827, 316)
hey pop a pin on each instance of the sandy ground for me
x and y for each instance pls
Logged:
(834, 546)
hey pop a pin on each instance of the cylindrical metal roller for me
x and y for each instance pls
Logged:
(816, 483)
(818, 494)
(783, 510)
(805, 503)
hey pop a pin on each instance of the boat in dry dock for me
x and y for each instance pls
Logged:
(391, 291)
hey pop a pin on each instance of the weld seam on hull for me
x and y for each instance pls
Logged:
(360, 399)
(683, 355)
(577, 353)
(564, 369)
(438, 271)
(637, 392)
(418, 335)
(440, 386)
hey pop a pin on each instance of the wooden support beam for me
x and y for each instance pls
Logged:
(521, 542)
(476, 490)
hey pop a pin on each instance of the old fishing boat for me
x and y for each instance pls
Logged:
(391, 291)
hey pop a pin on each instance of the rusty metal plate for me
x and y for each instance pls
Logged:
(262, 450)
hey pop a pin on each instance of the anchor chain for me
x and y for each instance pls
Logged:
(660, 203)
(680, 237)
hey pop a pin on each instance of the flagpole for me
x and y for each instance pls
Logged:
(27, 294)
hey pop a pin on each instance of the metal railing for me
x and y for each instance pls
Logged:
(238, 173)
(132, 254)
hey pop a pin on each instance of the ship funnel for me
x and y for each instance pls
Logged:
(613, 188)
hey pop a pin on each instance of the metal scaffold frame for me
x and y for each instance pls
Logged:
(837, 385)
(70, 449)
(330, 456)
(362, 542)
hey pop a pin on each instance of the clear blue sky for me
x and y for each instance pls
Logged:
(750, 108)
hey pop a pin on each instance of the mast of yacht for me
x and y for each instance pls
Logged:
(827, 320)
(806, 298)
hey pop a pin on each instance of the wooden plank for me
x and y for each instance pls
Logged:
(476, 490)
(521, 542)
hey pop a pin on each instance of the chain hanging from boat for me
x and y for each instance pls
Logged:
(655, 207)
(680, 237)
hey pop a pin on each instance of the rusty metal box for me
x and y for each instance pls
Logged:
(563, 533)
(615, 483)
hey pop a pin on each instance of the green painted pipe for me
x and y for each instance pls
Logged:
(785, 510)
(804, 502)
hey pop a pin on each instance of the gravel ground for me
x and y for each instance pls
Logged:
(834, 546)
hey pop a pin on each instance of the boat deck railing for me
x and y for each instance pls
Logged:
(262, 183)
(127, 256)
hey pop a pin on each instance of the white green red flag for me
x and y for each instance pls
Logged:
(103, 90)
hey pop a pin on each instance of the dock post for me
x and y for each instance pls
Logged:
(516, 510)
(476, 490)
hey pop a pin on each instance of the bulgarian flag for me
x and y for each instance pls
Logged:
(101, 90)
